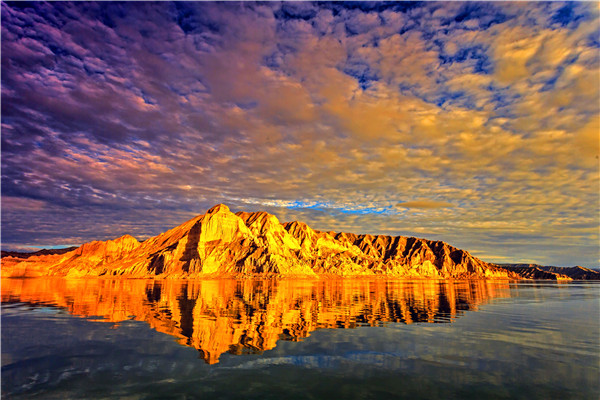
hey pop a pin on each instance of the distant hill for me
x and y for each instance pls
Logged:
(576, 272)
(43, 252)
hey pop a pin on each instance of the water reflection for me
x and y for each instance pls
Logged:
(250, 316)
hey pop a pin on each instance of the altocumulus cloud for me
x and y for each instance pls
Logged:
(424, 204)
(132, 117)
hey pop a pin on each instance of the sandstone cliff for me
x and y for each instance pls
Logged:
(221, 243)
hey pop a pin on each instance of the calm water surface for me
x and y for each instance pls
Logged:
(321, 339)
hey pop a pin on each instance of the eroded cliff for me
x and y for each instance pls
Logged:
(221, 243)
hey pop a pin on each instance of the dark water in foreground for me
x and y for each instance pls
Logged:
(228, 339)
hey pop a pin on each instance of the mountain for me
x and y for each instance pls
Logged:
(221, 243)
(19, 254)
(534, 272)
(546, 272)
(576, 272)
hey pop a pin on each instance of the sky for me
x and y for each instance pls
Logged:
(472, 123)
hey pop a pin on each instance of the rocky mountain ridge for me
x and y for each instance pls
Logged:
(42, 252)
(536, 271)
(221, 243)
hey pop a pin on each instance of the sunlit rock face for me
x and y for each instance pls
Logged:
(221, 243)
(218, 316)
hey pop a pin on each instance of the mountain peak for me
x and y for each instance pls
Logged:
(218, 208)
(126, 239)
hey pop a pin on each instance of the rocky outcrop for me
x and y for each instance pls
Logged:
(221, 243)
(43, 252)
(576, 272)
(535, 271)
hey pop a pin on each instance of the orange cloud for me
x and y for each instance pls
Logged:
(425, 204)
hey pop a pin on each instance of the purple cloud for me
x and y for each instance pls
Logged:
(116, 113)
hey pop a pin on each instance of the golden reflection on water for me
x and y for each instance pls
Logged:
(250, 316)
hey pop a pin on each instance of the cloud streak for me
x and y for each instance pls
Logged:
(425, 204)
(327, 112)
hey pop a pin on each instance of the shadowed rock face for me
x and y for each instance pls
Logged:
(535, 271)
(19, 254)
(221, 243)
(219, 316)
(576, 272)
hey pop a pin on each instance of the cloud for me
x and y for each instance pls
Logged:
(425, 204)
(21, 204)
(329, 112)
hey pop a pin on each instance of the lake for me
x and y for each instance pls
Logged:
(303, 339)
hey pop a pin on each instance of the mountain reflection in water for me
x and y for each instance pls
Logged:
(250, 316)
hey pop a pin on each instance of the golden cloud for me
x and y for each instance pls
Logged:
(425, 204)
